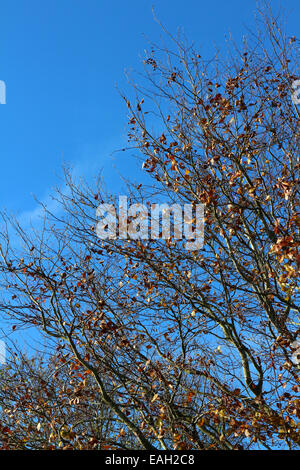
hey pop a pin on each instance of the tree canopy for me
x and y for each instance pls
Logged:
(153, 346)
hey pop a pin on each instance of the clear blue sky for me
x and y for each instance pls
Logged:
(61, 59)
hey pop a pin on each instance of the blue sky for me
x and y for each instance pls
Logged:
(61, 60)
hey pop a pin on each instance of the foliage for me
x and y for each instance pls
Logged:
(178, 349)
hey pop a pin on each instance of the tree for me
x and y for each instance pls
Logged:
(184, 349)
(49, 404)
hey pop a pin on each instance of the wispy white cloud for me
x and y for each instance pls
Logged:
(91, 160)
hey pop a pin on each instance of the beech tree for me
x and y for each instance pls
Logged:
(178, 349)
(46, 406)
